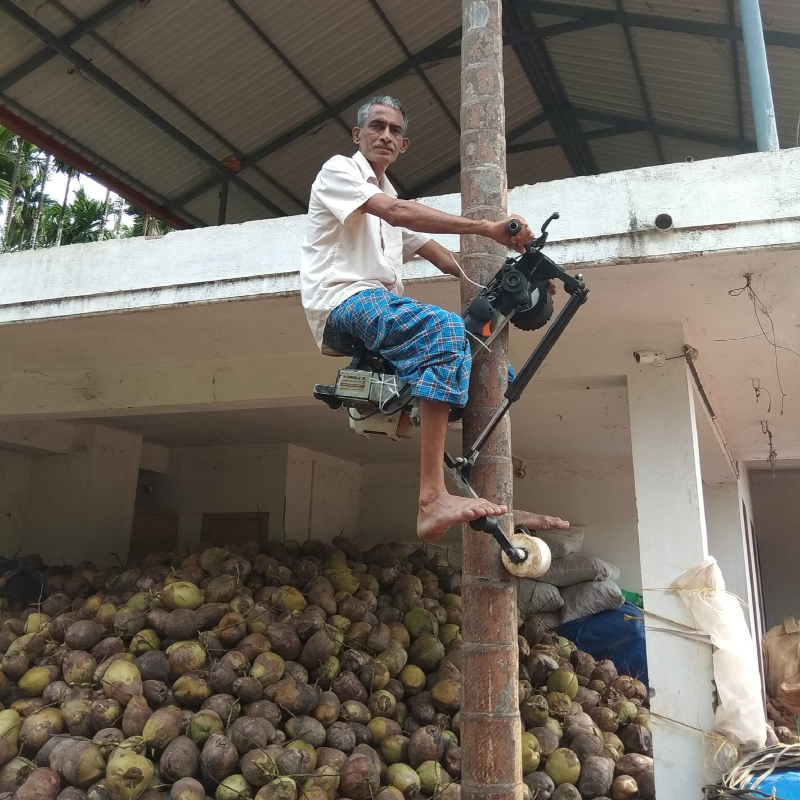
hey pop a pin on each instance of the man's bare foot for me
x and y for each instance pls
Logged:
(438, 514)
(540, 522)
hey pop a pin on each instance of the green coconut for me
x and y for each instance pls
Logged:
(182, 594)
(282, 788)
(34, 682)
(121, 680)
(202, 725)
(268, 668)
(404, 778)
(562, 681)
(10, 722)
(419, 621)
(234, 787)
(412, 678)
(426, 652)
(563, 766)
(530, 753)
(128, 775)
(432, 777)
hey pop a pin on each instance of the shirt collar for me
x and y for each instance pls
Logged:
(369, 174)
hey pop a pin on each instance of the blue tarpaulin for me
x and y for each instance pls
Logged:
(617, 635)
(782, 785)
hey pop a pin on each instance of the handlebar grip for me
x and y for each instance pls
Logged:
(514, 226)
(488, 524)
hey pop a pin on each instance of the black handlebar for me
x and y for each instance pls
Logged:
(514, 226)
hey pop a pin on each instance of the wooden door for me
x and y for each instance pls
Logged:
(234, 527)
(152, 531)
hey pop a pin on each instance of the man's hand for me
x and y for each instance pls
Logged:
(498, 232)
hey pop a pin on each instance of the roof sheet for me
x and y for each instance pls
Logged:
(283, 80)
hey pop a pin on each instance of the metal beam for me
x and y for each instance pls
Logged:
(634, 125)
(43, 56)
(223, 201)
(322, 117)
(89, 163)
(637, 70)
(133, 102)
(594, 16)
(289, 64)
(737, 76)
(603, 133)
(104, 43)
(448, 172)
(546, 83)
(417, 68)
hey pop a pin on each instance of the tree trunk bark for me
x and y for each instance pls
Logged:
(118, 218)
(12, 197)
(105, 214)
(40, 206)
(490, 725)
(60, 229)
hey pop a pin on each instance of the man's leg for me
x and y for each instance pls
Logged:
(428, 347)
(539, 522)
(438, 509)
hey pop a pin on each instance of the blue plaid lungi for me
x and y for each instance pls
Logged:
(425, 344)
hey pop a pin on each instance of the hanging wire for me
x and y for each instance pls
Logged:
(750, 772)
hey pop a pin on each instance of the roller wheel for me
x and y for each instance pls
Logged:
(536, 317)
(537, 556)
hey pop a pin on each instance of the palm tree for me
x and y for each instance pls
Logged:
(20, 167)
(80, 221)
(60, 229)
(37, 219)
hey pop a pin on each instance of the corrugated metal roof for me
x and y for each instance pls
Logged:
(237, 93)
(624, 152)
(595, 68)
(689, 80)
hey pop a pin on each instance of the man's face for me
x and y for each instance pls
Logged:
(381, 140)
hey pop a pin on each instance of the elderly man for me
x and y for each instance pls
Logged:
(358, 237)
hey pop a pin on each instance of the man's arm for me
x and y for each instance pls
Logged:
(420, 218)
(440, 257)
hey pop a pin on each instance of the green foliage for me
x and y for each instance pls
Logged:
(82, 217)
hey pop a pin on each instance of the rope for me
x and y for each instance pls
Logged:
(736, 782)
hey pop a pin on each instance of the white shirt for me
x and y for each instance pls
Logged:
(345, 250)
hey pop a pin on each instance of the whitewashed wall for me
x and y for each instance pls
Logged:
(14, 473)
(776, 507)
(595, 492)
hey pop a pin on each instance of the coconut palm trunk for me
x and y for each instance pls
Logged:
(60, 229)
(118, 218)
(38, 217)
(105, 214)
(12, 195)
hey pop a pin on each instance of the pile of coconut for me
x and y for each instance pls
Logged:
(317, 671)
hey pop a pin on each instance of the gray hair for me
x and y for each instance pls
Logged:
(385, 100)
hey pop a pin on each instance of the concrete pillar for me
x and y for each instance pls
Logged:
(672, 538)
(80, 505)
(726, 540)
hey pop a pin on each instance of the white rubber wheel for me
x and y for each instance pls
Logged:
(537, 556)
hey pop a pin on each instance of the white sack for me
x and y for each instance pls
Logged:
(740, 713)
(536, 597)
(585, 599)
(562, 543)
(579, 568)
(550, 620)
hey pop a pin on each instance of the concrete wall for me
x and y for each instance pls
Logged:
(595, 492)
(225, 478)
(322, 495)
(80, 505)
(14, 474)
(776, 508)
